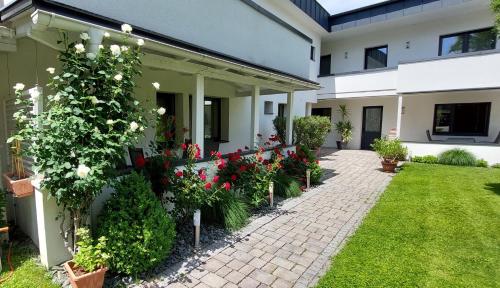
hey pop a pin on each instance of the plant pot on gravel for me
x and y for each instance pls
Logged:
(81, 279)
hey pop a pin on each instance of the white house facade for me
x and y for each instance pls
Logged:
(423, 71)
(420, 70)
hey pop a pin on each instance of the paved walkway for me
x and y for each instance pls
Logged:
(292, 248)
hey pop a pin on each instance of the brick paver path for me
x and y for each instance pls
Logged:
(292, 248)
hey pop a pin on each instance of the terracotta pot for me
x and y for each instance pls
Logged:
(389, 166)
(21, 187)
(88, 280)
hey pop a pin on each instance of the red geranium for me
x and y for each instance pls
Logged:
(208, 185)
(226, 186)
(140, 161)
(179, 174)
(216, 179)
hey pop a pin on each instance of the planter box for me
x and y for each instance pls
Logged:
(21, 187)
(88, 280)
(389, 166)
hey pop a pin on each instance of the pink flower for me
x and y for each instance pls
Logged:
(184, 146)
(226, 186)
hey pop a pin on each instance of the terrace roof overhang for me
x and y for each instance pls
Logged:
(41, 20)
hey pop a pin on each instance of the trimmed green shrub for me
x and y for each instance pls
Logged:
(427, 159)
(497, 166)
(311, 131)
(285, 186)
(139, 232)
(482, 163)
(457, 157)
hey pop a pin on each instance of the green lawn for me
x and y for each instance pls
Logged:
(434, 226)
(27, 273)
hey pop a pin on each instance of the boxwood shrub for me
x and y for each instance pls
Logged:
(427, 159)
(139, 232)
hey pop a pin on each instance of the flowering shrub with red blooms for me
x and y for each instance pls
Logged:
(159, 170)
(250, 176)
(298, 162)
(192, 188)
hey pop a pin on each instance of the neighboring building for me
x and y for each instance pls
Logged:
(407, 67)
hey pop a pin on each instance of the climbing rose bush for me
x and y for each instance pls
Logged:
(89, 120)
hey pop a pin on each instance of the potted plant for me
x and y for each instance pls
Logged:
(311, 131)
(343, 128)
(18, 181)
(391, 152)
(88, 267)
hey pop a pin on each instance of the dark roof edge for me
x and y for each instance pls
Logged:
(276, 19)
(363, 8)
(319, 15)
(82, 15)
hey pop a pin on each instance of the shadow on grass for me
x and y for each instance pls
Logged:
(493, 187)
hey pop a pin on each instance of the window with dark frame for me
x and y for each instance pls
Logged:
(325, 112)
(376, 57)
(313, 53)
(470, 41)
(268, 107)
(325, 63)
(462, 119)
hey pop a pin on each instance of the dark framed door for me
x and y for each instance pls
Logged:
(372, 125)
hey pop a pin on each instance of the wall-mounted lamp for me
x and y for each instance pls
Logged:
(403, 110)
(346, 55)
(407, 44)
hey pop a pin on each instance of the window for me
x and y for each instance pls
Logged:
(313, 53)
(376, 57)
(324, 65)
(326, 112)
(471, 41)
(462, 119)
(268, 107)
(212, 118)
(281, 110)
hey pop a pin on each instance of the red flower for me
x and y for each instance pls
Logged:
(140, 161)
(168, 153)
(265, 162)
(208, 185)
(234, 177)
(243, 168)
(226, 186)
(202, 174)
(184, 146)
(216, 179)
(164, 180)
(269, 167)
(179, 174)
(260, 159)
(166, 164)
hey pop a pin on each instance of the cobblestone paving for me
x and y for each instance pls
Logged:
(292, 247)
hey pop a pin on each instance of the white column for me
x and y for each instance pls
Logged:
(289, 118)
(254, 123)
(309, 108)
(95, 39)
(197, 134)
(185, 116)
(398, 118)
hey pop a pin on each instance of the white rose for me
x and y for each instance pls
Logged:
(51, 70)
(118, 77)
(35, 95)
(140, 42)
(110, 122)
(107, 35)
(79, 48)
(72, 154)
(115, 50)
(82, 171)
(156, 85)
(91, 56)
(141, 128)
(84, 36)
(57, 97)
(101, 46)
(124, 48)
(161, 111)
(126, 28)
(19, 87)
(136, 102)
(133, 126)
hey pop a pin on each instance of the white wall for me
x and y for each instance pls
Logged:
(227, 26)
(419, 113)
(423, 37)
(355, 108)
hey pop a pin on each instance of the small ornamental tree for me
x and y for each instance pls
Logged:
(86, 125)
